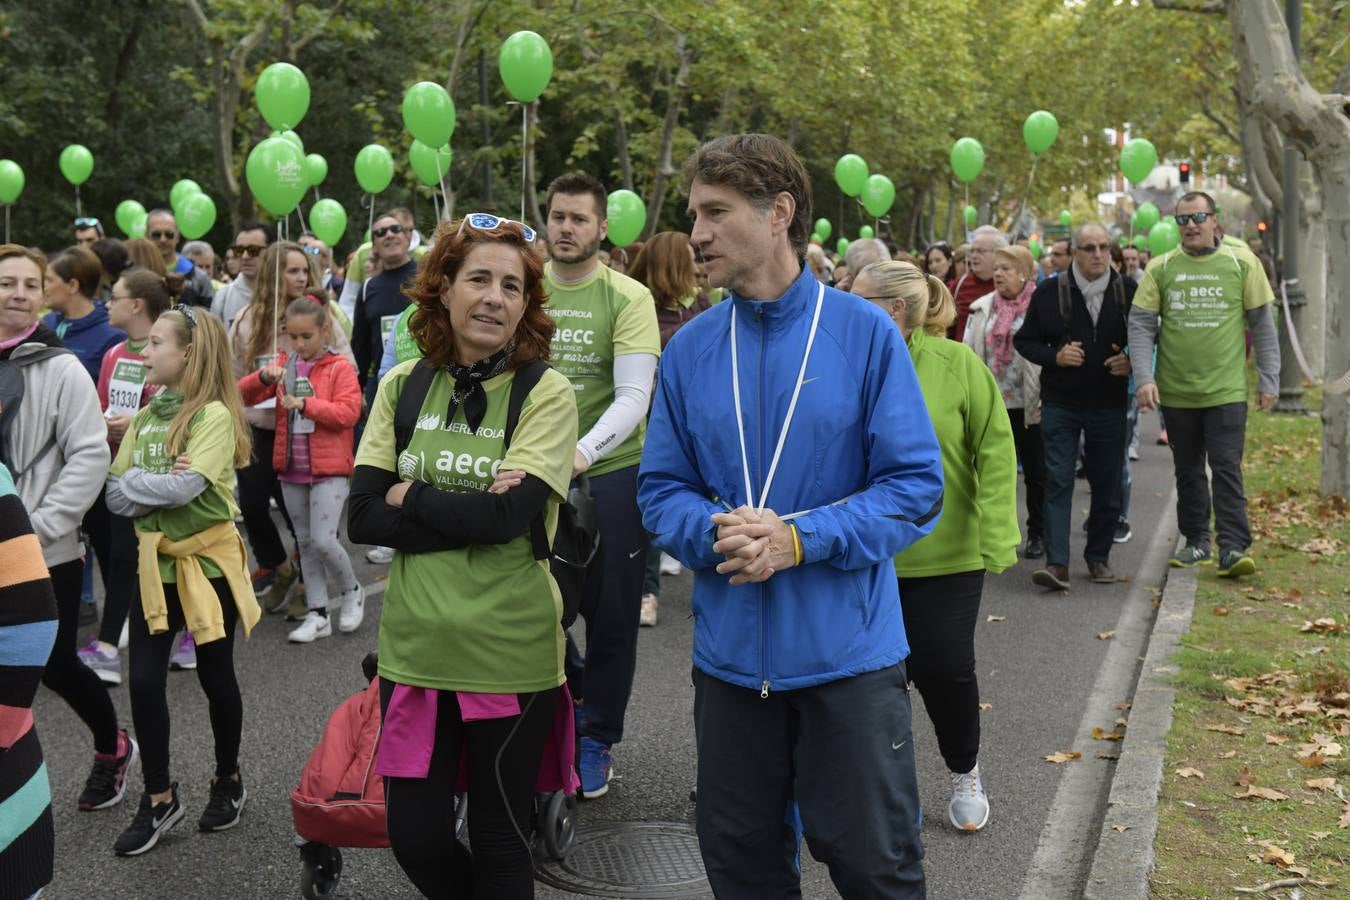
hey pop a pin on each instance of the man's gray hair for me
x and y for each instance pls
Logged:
(1078, 233)
(193, 248)
(865, 251)
(999, 238)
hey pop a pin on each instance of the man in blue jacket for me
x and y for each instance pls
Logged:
(789, 457)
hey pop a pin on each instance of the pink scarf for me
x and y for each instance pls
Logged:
(1005, 312)
(16, 341)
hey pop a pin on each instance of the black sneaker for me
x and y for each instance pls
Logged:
(150, 824)
(107, 782)
(1235, 563)
(1035, 547)
(1123, 532)
(226, 803)
(1190, 556)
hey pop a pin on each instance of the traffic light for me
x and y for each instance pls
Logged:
(1185, 173)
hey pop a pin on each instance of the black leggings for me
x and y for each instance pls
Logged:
(940, 614)
(65, 674)
(215, 671)
(257, 484)
(114, 540)
(1031, 454)
(419, 812)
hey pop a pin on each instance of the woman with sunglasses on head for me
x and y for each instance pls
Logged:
(471, 649)
(285, 273)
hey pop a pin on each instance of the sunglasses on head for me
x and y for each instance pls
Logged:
(1198, 218)
(489, 222)
(388, 229)
(163, 235)
(87, 222)
(246, 250)
(313, 251)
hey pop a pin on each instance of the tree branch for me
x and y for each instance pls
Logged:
(198, 16)
(1215, 7)
(1219, 123)
(316, 32)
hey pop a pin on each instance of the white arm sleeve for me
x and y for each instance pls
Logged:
(633, 377)
(351, 289)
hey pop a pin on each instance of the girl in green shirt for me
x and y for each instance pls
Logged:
(942, 576)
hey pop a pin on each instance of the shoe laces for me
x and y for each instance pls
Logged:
(967, 784)
(220, 798)
(103, 777)
(593, 752)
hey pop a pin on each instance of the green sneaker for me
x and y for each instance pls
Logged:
(1190, 556)
(1235, 564)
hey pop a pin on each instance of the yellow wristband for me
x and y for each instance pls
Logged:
(796, 545)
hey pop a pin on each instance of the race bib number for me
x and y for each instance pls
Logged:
(263, 362)
(126, 387)
(303, 388)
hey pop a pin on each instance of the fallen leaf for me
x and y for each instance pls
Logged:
(1126, 705)
(1229, 755)
(996, 619)
(1321, 546)
(1058, 758)
(1124, 579)
(1320, 784)
(1316, 761)
(986, 706)
(1323, 625)
(1188, 772)
(1120, 828)
(1260, 793)
(1122, 721)
(1105, 635)
(1226, 729)
(1188, 804)
(1277, 739)
(1319, 835)
(1220, 610)
(1099, 734)
(1245, 777)
(1278, 856)
(1108, 756)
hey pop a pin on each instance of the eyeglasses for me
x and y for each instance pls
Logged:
(388, 229)
(1198, 218)
(187, 312)
(163, 235)
(113, 298)
(1095, 248)
(249, 250)
(489, 222)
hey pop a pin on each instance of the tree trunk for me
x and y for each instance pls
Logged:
(112, 110)
(1319, 126)
(1313, 272)
(951, 212)
(621, 147)
(665, 167)
(531, 193)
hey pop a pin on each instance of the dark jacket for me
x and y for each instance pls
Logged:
(1045, 330)
(89, 337)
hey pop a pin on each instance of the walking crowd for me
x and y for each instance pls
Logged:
(830, 444)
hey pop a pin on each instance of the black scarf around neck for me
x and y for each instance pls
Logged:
(468, 389)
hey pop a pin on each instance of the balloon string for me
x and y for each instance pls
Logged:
(370, 224)
(440, 178)
(276, 294)
(1027, 193)
(317, 198)
(6, 223)
(78, 211)
(300, 214)
(524, 155)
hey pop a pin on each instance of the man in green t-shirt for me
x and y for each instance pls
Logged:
(606, 343)
(1197, 302)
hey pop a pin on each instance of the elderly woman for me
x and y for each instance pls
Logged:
(942, 576)
(471, 647)
(994, 321)
(57, 445)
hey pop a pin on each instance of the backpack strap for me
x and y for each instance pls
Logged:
(527, 376)
(409, 407)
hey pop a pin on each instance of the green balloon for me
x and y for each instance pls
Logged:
(1035, 247)
(374, 168)
(1123, 241)
(1148, 216)
(275, 172)
(137, 229)
(878, 195)
(316, 169)
(429, 113)
(291, 136)
(77, 164)
(850, 173)
(1039, 131)
(824, 228)
(1163, 237)
(971, 216)
(967, 159)
(866, 233)
(627, 215)
(282, 92)
(181, 190)
(196, 215)
(1137, 159)
(126, 215)
(526, 66)
(1066, 218)
(1134, 221)
(841, 246)
(816, 239)
(1140, 242)
(11, 181)
(328, 221)
(429, 165)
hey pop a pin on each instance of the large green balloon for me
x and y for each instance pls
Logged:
(967, 159)
(866, 233)
(526, 66)
(1148, 216)
(137, 229)
(126, 215)
(1163, 237)
(971, 215)
(841, 246)
(283, 95)
(291, 136)
(1039, 131)
(275, 172)
(627, 215)
(196, 215)
(850, 173)
(816, 239)
(182, 189)
(429, 165)
(1137, 159)
(77, 164)
(316, 169)
(1035, 247)
(11, 181)
(1140, 242)
(878, 195)
(1066, 218)
(429, 113)
(824, 229)
(374, 168)
(328, 221)
(1134, 222)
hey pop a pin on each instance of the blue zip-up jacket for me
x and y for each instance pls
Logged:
(89, 338)
(860, 435)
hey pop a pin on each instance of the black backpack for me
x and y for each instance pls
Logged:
(577, 538)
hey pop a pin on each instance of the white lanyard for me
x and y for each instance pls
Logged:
(792, 406)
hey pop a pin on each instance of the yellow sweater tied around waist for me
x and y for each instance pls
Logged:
(201, 607)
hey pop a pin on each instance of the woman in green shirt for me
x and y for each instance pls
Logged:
(471, 646)
(942, 576)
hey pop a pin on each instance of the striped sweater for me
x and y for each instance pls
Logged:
(27, 630)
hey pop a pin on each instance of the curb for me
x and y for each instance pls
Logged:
(1124, 859)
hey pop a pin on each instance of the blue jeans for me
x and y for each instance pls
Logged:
(1104, 438)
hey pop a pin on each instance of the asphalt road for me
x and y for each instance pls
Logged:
(1036, 668)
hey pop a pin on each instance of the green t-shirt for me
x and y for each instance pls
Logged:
(600, 317)
(210, 444)
(484, 618)
(1202, 303)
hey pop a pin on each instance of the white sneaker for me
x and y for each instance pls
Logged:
(123, 639)
(969, 809)
(313, 627)
(353, 610)
(382, 556)
(647, 618)
(670, 565)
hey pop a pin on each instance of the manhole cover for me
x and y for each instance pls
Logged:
(631, 860)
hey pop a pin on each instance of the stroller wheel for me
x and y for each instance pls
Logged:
(321, 870)
(558, 824)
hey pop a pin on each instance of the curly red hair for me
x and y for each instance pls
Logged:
(430, 325)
